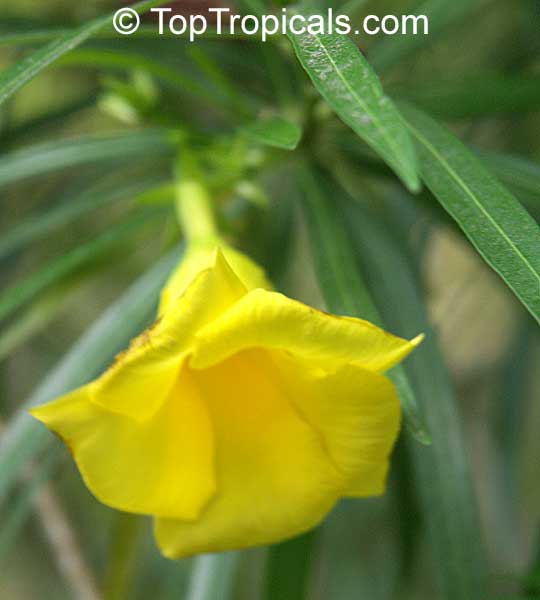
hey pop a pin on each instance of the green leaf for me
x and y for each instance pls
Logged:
(17, 515)
(442, 471)
(114, 59)
(38, 226)
(475, 95)
(13, 78)
(223, 84)
(440, 13)
(520, 175)
(161, 194)
(341, 283)
(494, 221)
(23, 437)
(347, 82)
(276, 132)
(52, 156)
(356, 565)
(288, 568)
(23, 291)
(31, 322)
(43, 123)
(213, 577)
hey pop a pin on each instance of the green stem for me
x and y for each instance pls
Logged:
(194, 207)
(194, 211)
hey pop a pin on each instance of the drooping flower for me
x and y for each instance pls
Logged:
(240, 417)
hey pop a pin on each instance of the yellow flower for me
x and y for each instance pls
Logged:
(240, 417)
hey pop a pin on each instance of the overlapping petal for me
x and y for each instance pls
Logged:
(200, 257)
(164, 466)
(154, 358)
(275, 476)
(356, 411)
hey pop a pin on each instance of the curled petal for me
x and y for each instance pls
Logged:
(270, 320)
(163, 466)
(358, 414)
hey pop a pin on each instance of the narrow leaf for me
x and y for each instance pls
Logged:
(23, 291)
(15, 518)
(26, 69)
(288, 568)
(520, 175)
(114, 59)
(475, 95)
(276, 132)
(347, 82)
(41, 225)
(442, 472)
(213, 577)
(52, 156)
(35, 319)
(494, 221)
(341, 283)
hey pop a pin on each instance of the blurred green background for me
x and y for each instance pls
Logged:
(88, 150)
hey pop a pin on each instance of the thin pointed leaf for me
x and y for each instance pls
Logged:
(114, 59)
(347, 82)
(16, 517)
(52, 156)
(23, 291)
(13, 78)
(35, 319)
(40, 225)
(494, 221)
(520, 175)
(288, 568)
(442, 471)
(475, 95)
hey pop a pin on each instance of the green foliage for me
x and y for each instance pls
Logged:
(276, 132)
(498, 226)
(23, 71)
(319, 178)
(342, 285)
(347, 82)
(441, 471)
(52, 156)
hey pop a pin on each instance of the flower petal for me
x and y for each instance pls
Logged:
(275, 478)
(141, 378)
(199, 257)
(163, 466)
(270, 320)
(358, 414)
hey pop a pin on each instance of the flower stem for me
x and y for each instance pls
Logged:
(194, 210)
